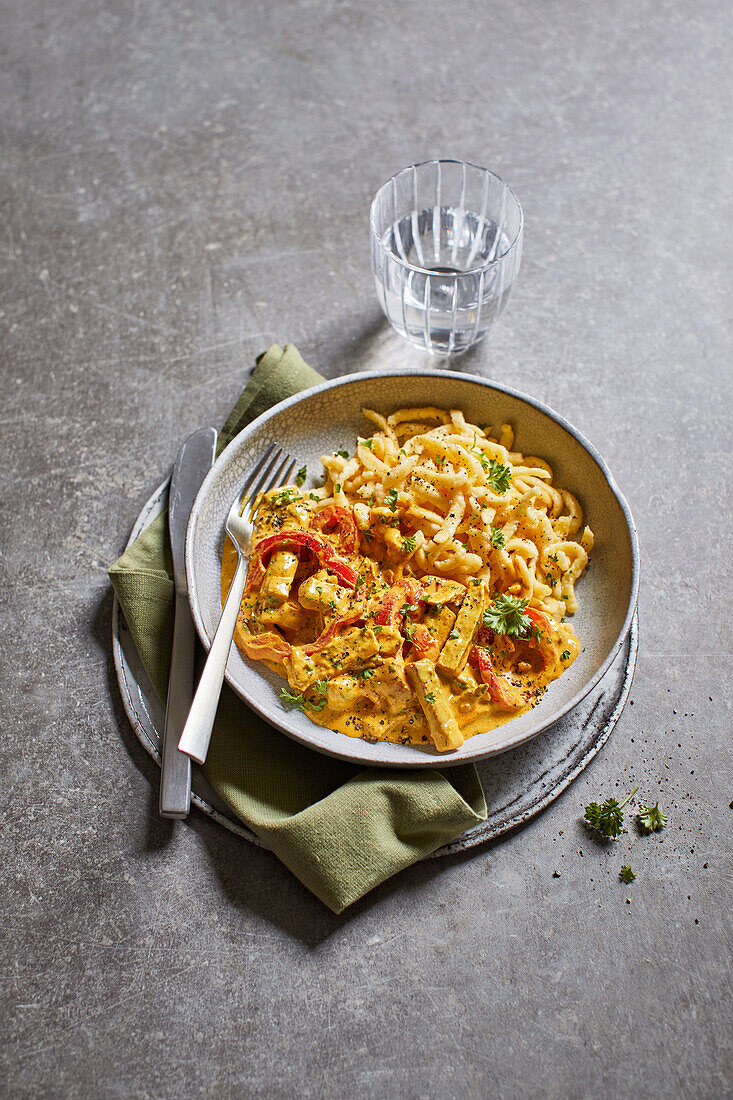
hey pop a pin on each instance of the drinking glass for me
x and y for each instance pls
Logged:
(446, 244)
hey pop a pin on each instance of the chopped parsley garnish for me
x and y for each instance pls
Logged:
(506, 616)
(342, 454)
(365, 673)
(626, 874)
(314, 496)
(337, 488)
(392, 499)
(496, 538)
(368, 442)
(301, 475)
(499, 477)
(409, 543)
(607, 818)
(430, 696)
(651, 819)
(286, 496)
(565, 655)
(454, 633)
(359, 582)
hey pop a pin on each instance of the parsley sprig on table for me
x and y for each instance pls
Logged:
(498, 476)
(651, 819)
(626, 874)
(607, 818)
(506, 616)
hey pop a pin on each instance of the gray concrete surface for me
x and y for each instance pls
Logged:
(181, 185)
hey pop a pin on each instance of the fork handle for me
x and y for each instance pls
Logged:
(200, 722)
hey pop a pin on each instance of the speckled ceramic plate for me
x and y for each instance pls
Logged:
(519, 784)
(327, 418)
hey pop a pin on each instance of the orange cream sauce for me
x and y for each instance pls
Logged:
(377, 705)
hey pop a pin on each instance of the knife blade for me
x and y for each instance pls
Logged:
(191, 466)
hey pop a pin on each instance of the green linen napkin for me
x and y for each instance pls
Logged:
(342, 829)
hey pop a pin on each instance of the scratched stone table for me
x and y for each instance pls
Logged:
(182, 185)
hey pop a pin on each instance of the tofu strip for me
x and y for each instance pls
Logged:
(439, 622)
(278, 578)
(430, 692)
(455, 652)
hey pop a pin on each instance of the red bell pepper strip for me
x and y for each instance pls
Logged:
(331, 631)
(340, 520)
(266, 647)
(298, 540)
(501, 692)
(543, 643)
(423, 643)
(404, 591)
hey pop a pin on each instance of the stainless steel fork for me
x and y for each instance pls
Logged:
(273, 468)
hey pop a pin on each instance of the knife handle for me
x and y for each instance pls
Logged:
(200, 722)
(175, 772)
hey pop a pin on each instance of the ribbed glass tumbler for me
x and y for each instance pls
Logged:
(446, 244)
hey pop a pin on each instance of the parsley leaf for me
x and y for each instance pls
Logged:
(651, 819)
(499, 477)
(626, 874)
(365, 673)
(300, 701)
(392, 499)
(342, 454)
(301, 475)
(408, 544)
(607, 818)
(506, 616)
(565, 655)
(291, 699)
(368, 443)
(496, 538)
(454, 633)
(430, 696)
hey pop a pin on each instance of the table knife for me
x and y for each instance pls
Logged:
(191, 467)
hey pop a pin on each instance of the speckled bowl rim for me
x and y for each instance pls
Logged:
(351, 750)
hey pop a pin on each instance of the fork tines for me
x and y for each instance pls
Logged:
(278, 468)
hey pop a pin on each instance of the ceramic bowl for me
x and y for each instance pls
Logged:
(328, 418)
